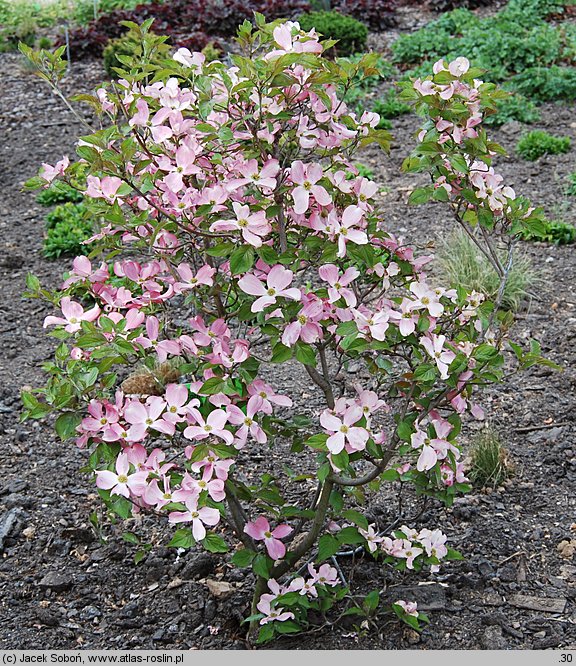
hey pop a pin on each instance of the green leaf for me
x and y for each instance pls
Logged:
(328, 545)
(121, 506)
(305, 354)
(404, 430)
(220, 250)
(182, 538)
(485, 352)
(280, 353)
(129, 537)
(425, 373)
(420, 195)
(214, 543)
(266, 632)
(242, 259)
(317, 441)
(288, 627)
(341, 460)
(139, 556)
(371, 601)
(66, 424)
(356, 517)
(243, 558)
(32, 282)
(212, 386)
(261, 566)
(349, 536)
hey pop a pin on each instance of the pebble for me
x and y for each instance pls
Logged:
(56, 582)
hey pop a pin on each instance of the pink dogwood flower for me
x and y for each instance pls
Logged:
(373, 324)
(276, 285)
(177, 403)
(189, 280)
(253, 226)
(147, 417)
(434, 542)
(105, 188)
(211, 464)
(305, 177)
(163, 347)
(74, 315)
(122, 482)
(213, 426)
(197, 516)
(426, 298)
(275, 614)
(434, 345)
(260, 530)
(338, 283)
(268, 395)
(214, 487)
(343, 430)
(372, 538)
(306, 326)
(345, 230)
(247, 422)
(48, 172)
(409, 607)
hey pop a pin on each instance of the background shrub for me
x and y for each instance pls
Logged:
(189, 23)
(557, 232)
(59, 192)
(516, 107)
(546, 84)
(538, 142)
(390, 106)
(516, 46)
(67, 229)
(350, 33)
(131, 45)
(378, 14)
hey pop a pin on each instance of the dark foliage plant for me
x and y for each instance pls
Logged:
(377, 14)
(189, 23)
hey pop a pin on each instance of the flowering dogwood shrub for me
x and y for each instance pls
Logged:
(239, 236)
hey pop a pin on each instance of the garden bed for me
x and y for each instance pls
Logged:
(68, 583)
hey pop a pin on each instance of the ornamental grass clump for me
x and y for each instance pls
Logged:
(462, 263)
(490, 463)
(238, 236)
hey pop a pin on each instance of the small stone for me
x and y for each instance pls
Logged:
(485, 568)
(492, 639)
(56, 582)
(200, 566)
(507, 573)
(90, 613)
(219, 588)
(47, 617)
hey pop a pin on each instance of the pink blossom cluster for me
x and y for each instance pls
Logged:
(318, 579)
(349, 423)
(408, 544)
(486, 184)
(466, 94)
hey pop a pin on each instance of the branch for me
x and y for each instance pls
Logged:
(323, 383)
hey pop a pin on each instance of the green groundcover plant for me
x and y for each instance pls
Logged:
(238, 236)
(537, 143)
